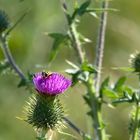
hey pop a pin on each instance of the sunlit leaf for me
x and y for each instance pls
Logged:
(80, 73)
(81, 9)
(59, 40)
(26, 82)
(83, 76)
(119, 83)
(22, 83)
(94, 14)
(89, 10)
(88, 67)
(104, 84)
(109, 93)
(71, 71)
(128, 89)
(84, 39)
(72, 64)
(87, 99)
(124, 69)
(75, 78)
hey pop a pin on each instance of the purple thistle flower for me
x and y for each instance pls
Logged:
(50, 84)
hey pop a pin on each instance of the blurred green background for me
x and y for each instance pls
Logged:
(30, 46)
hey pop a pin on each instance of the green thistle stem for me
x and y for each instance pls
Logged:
(134, 133)
(95, 112)
(41, 135)
(94, 102)
(76, 43)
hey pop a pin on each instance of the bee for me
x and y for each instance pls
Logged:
(45, 74)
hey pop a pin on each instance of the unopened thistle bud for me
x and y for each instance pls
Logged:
(44, 111)
(135, 62)
(4, 21)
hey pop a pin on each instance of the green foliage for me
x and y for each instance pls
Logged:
(104, 84)
(84, 39)
(124, 69)
(119, 92)
(122, 93)
(44, 112)
(106, 90)
(88, 67)
(119, 84)
(69, 39)
(81, 9)
(109, 93)
(81, 73)
(122, 89)
(59, 40)
(87, 99)
(26, 82)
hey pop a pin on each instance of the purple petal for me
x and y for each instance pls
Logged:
(52, 84)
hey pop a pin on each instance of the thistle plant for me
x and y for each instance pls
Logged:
(44, 110)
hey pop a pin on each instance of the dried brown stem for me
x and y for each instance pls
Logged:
(100, 46)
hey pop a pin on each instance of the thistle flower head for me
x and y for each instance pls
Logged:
(46, 112)
(135, 61)
(4, 21)
(50, 84)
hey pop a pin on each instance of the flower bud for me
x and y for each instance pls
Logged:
(44, 112)
(4, 21)
(135, 62)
